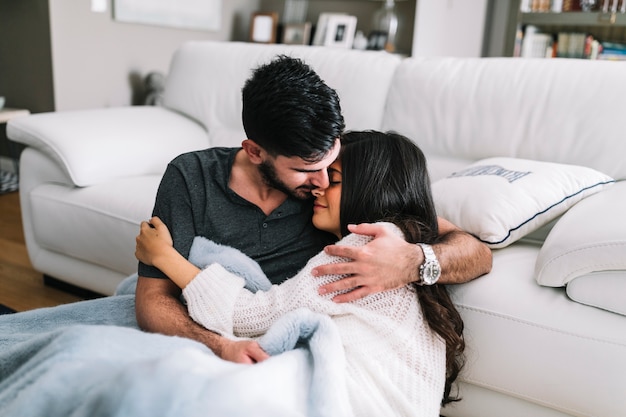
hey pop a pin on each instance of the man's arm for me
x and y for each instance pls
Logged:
(389, 262)
(157, 305)
(159, 310)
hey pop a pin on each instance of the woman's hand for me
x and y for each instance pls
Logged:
(154, 240)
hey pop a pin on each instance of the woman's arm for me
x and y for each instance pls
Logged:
(216, 298)
(155, 247)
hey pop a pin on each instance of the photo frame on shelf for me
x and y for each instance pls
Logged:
(263, 27)
(320, 29)
(340, 31)
(297, 33)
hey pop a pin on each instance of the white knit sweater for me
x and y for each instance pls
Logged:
(396, 363)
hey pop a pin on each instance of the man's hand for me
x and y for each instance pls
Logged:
(242, 351)
(158, 309)
(389, 262)
(385, 263)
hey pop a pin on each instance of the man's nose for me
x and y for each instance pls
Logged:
(320, 179)
(317, 192)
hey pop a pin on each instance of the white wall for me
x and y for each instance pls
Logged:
(96, 59)
(449, 28)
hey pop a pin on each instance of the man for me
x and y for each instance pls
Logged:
(257, 199)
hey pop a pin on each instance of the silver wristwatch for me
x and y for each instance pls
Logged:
(430, 271)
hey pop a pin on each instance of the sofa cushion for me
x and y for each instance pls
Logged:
(96, 224)
(584, 249)
(500, 200)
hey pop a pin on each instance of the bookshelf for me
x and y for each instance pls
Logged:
(608, 29)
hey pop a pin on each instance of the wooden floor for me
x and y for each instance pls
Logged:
(21, 287)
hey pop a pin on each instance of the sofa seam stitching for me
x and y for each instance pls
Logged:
(527, 323)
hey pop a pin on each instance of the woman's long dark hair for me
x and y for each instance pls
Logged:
(384, 178)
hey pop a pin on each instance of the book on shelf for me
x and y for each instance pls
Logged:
(536, 44)
(612, 51)
(533, 44)
(571, 44)
(614, 47)
(555, 6)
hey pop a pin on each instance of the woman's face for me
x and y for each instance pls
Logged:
(326, 204)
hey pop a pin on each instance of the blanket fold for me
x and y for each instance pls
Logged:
(90, 359)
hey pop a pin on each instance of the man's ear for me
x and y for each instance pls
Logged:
(253, 150)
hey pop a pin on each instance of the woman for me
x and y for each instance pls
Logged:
(403, 347)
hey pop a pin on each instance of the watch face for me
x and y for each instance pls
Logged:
(431, 272)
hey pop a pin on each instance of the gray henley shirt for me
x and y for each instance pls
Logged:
(194, 200)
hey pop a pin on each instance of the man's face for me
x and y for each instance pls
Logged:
(295, 176)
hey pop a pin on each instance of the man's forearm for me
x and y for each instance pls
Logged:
(389, 261)
(462, 257)
(162, 312)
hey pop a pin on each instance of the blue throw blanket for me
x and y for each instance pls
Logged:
(90, 359)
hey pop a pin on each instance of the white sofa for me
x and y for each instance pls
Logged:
(546, 330)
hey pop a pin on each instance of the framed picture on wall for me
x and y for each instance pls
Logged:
(340, 31)
(263, 27)
(183, 14)
(297, 34)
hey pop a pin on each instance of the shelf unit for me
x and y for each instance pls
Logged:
(577, 19)
(609, 27)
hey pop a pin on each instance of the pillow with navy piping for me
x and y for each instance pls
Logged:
(500, 200)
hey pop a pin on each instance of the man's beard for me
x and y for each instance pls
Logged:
(268, 173)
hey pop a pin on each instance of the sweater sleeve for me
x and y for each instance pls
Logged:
(218, 300)
(211, 298)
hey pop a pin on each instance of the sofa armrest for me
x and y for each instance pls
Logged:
(586, 251)
(95, 146)
(589, 237)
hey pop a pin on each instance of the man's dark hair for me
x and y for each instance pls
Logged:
(288, 110)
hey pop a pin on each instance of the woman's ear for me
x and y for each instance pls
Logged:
(253, 150)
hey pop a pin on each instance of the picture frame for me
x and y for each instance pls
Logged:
(263, 27)
(340, 31)
(297, 33)
(320, 28)
(180, 14)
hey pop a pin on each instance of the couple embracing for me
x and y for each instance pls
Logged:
(342, 223)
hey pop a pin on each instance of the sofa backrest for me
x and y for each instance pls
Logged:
(560, 110)
(205, 80)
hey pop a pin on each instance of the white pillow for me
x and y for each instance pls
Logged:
(500, 200)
